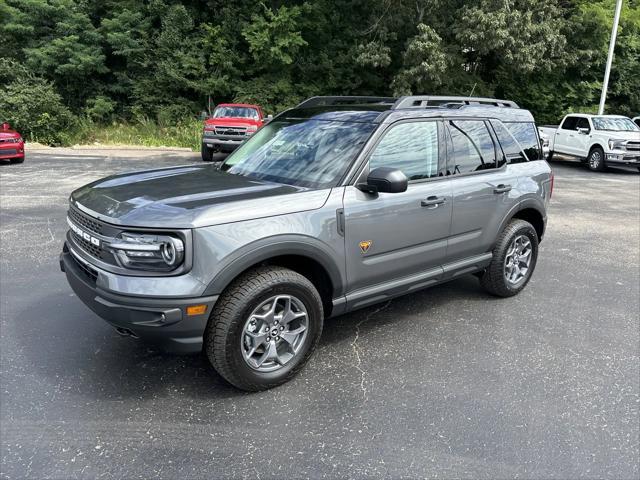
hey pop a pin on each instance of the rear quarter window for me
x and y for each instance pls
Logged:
(527, 137)
(513, 152)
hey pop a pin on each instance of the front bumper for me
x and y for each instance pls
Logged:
(15, 151)
(223, 142)
(622, 158)
(162, 321)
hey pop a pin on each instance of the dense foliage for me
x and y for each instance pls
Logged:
(65, 62)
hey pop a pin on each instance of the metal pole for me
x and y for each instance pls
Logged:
(612, 46)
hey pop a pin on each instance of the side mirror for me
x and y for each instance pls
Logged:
(385, 180)
(583, 131)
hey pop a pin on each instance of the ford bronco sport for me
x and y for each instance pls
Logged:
(337, 204)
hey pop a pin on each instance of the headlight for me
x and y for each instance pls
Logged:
(251, 129)
(17, 140)
(148, 252)
(617, 144)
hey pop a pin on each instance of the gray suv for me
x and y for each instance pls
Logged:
(335, 205)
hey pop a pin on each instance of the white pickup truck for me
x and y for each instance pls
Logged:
(598, 140)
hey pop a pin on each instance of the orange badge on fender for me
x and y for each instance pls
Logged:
(365, 245)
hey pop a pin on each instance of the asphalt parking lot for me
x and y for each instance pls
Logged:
(445, 383)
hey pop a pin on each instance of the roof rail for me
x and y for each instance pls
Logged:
(422, 101)
(352, 100)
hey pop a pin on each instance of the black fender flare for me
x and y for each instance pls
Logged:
(528, 203)
(264, 249)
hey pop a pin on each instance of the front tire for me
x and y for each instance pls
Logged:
(264, 328)
(17, 160)
(207, 153)
(514, 260)
(596, 160)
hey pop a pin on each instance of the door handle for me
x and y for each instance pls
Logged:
(432, 201)
(502, 188)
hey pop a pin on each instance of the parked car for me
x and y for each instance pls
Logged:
(636, 120)
(11, 144)
(598, 140)
(335, 205)
(229, 126)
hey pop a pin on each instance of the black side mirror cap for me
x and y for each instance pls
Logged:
(385, 180)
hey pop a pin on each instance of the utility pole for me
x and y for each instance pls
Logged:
(612, 46)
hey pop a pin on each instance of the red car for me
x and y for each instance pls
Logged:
(11, 144)
(228, 126)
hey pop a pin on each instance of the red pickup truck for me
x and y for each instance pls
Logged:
(228, 126)
(11, 144)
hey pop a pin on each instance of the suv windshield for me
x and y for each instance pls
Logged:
(235, 112)
(614, 124)
(307, 153)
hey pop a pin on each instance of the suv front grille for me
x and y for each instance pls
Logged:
(87, 246)
(85, 221)
(633, 146)
(91, 225)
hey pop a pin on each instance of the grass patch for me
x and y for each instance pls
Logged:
(149, 134)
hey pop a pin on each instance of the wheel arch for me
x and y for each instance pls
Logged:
(531, 211)
(304, 256)
(595, 144)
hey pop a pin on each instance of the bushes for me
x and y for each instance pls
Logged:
(32, 106)
(145, 133)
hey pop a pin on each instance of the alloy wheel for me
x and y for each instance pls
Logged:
(518, 259)
(274, 333)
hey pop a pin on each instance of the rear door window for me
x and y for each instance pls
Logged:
(473, 149)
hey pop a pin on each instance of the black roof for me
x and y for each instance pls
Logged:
(387, 110)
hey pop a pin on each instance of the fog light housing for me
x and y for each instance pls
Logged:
(614, 156)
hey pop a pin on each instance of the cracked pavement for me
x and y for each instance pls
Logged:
(447, 382)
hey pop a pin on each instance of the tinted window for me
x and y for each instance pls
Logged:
(525, 134)
(307, 153)
(570, 123)
(411, 148)
(473, 148)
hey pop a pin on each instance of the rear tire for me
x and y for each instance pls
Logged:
(207, 153)
(595, 160)
(17, 160)
(249, 323)
(506, 275)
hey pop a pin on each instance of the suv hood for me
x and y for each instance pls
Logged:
(9, 134)
(620, 135)
(233, 122)
(190, 196)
